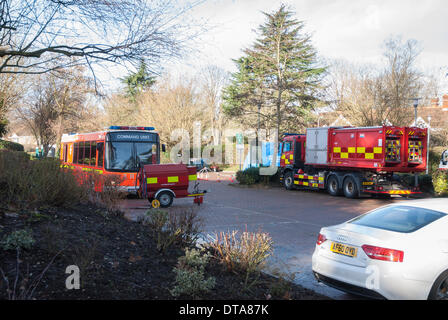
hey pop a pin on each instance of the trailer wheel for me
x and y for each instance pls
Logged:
(165, 198)
(288, 180)
(333, 186)
(350, 188)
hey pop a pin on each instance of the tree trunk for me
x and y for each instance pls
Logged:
(59, 133)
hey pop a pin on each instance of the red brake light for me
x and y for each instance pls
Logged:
(384, 254)
(321, 239)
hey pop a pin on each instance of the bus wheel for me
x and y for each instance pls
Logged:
(350, 188)
(288, 180)
(333, 186)
(165, 198)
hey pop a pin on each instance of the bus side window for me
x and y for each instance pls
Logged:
(80, 152)
(93, 153)
(65, 152)
(84, 153)
(87, 153)
(100, 149)
(75, 153)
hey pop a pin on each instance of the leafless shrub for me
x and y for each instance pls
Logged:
(280, 285)
(103, 190)
(246, 253)
(181, 228)
(83, 255)
(23, 286)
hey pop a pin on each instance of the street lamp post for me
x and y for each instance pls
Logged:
(415, 125)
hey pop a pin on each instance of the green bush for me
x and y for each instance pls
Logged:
(21, 239)
(32, 184)
(424, 181)
(248, 176)
(440, 181)
(8, 145)
(435, 154)
(190, 274)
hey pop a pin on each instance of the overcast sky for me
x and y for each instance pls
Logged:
(350, 29)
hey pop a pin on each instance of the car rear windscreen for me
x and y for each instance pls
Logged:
(403, 219)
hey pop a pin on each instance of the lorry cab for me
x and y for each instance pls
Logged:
(292, 157)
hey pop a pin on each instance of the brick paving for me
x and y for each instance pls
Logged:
(292, 218)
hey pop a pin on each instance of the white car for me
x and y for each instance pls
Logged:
(398, 251)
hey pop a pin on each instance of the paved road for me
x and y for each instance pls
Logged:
(292, 218)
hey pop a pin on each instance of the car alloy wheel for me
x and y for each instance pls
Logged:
(442, 290)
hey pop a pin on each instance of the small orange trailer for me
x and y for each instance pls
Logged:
(161, 183)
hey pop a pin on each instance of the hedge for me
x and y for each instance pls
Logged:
(252, 176)
(440, 181)
(8, 145)
(248, 176)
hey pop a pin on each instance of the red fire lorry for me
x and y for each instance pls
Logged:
(352, 161)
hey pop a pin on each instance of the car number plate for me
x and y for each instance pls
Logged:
(343, 249)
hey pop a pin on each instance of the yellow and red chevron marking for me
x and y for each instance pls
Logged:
(397, 132)
(352, 152)
(399, 191)
(309, 181)
(309, 184)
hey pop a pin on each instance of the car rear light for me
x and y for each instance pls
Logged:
(321, 239)
(384, 254)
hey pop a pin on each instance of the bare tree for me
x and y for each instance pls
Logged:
(119, 110)
(36, 32)
(369, 96)
(173, 105)
(213, 79)
(401, 81)
(10, 93)
(70, 89)
(39, 115)
(55, 104)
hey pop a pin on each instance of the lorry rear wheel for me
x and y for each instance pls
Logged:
(165, 198)
(350, 188)
(288, 180)
(333, 186)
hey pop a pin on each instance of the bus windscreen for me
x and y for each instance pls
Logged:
(127, 151)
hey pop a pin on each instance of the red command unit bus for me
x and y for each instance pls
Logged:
(119, 151)
(352, 161)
